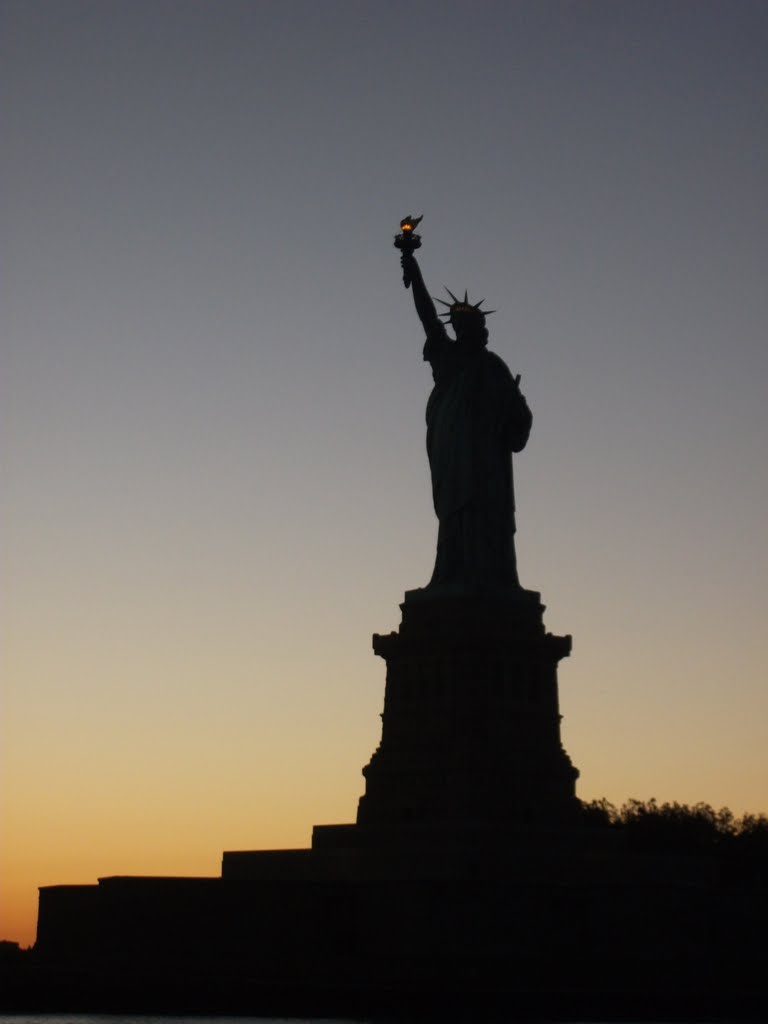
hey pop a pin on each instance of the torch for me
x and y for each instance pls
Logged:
(408, 241)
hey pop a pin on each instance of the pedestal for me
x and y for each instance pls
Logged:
(471, 722)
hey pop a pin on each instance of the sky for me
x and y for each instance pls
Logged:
(215, 487)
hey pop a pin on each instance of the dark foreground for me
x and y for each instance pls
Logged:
(596, 934)
(30, 987)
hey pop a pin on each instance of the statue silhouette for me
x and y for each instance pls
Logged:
(476, 418)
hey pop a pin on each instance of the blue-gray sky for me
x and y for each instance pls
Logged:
(213, 395)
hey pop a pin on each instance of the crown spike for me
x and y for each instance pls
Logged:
(450, 293)
(466, 297)
(441, 301)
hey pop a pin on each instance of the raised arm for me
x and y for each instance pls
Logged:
(425, 307)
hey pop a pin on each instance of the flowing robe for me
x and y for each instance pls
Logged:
(476, 418)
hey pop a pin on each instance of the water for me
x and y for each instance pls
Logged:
(96, 1018)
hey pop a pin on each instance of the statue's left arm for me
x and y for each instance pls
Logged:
(512, 416)
(520, 418)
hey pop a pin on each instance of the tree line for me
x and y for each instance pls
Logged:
(651, 827)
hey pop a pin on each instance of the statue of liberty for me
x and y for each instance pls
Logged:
(476, 418)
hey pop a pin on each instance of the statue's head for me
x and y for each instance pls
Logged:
(467, 319)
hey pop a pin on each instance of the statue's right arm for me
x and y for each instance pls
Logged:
(425, 307)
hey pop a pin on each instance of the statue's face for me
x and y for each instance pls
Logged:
(468, 328)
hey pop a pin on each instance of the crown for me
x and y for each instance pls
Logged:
(463, 306)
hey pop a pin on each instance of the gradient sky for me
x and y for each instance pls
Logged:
(215, 483)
